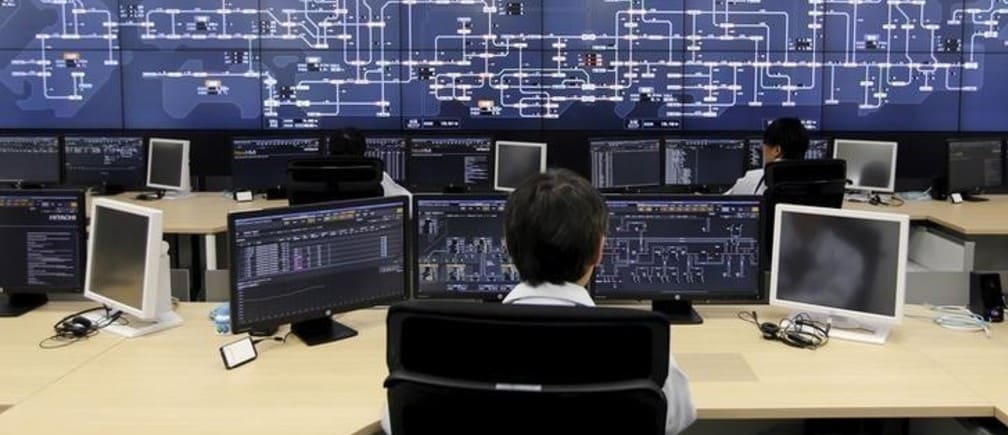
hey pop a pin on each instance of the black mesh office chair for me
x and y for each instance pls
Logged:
(334, 178)
(463, 368)
(818, 183)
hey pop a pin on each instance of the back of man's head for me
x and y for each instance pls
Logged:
(554, 223)
(790, 135)
(348, 142)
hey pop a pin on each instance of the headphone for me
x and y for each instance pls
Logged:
(800, 331)
(76, 327)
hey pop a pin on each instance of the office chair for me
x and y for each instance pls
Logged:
(463, 368)
(818, 183)
(312, 181)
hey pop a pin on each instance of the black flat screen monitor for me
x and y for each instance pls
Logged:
(705, 163)
(29, 160)
(460, 250)
(260, 164)
(676, 249)
(437, 164)
(975, 166)
(302, 264)
(105, 162)
(625, 163)
(43, 236)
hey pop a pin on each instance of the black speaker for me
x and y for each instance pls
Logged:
(985, 296)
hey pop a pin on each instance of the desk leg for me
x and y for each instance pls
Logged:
(210, 251)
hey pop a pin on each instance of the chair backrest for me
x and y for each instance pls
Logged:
(456, 364)
(312, 181)
(819, 183)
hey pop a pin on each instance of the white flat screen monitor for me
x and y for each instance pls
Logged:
(514, 162)
(841, 264)
(871, 165)
(124, 251)
(168, 165)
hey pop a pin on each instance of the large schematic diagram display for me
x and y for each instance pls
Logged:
(503, 64)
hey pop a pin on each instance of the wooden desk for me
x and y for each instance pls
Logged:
(25, 368)
(173, 382)
(970, 219)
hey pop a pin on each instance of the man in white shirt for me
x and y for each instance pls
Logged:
(555, 225)
(784, 139)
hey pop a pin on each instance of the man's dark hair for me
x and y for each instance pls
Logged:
(553, 224)
(789, 134)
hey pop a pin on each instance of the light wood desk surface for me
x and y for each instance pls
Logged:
(203, 213)
(972, 219)
(174, 382)
(25, 368)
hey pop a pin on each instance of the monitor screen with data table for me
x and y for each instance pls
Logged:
(704, 162)
(29, 160)
(301, 264)
(624, 163)
(437, 163)
(261, 163)
(104, 161)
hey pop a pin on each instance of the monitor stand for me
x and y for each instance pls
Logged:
(320, 331)
(972, 197)
(843, 328)
(16, 304)
(107, 190)
(678, 312)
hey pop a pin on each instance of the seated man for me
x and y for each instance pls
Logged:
(555, 225)
(784, 139)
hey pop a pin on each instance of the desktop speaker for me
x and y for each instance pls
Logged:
(985, 296)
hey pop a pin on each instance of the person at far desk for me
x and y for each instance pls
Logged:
(350, 142)
(555, 225)
(784, 139)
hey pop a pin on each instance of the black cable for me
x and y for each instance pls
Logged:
(75, 327)
(800, 331)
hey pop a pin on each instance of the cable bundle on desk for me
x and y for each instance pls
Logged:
(76, 327)
(959, 319)
(799, 331)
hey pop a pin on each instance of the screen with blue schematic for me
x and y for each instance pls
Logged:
(698, 65)
(694, 247)
(460, 247)
(43, 234)
(439, 162)
(96, 161)
(620, 163)
(704, 162)
(29, 159)
(261, 163)
(392, 151)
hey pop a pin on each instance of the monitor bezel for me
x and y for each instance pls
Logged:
(541, 146)
(757, 295)
(413, 186)
(184, 182)
(59, 161)
(142, 180)
(152, 260)
(321, 312)
(972, 189)
(660, 161)
(894, 152)
(904, 228)
(82, 242)
(234, 162)
(415, 261)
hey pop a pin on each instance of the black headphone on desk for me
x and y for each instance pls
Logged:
(76, 327)
(800, 331)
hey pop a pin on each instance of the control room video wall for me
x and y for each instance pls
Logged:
(415, 65)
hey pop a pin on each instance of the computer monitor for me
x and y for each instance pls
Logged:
(260, 164)
(705, 164)
(514, 162)
(847, 265)
(625, 163)
(438, 164)
(871, 165)
(819, 149)
(31, 160)
(974, 166)
(42, 234)
(168, 166)
(392, 151)
(673, 250)
(301, 265)
(108, 164)
(129, 268)
(460, 250)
